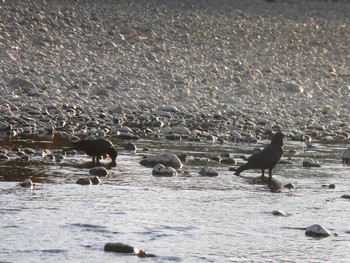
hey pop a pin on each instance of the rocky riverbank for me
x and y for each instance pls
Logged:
(223, 69)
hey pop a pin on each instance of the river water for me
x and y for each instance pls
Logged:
(188, 218)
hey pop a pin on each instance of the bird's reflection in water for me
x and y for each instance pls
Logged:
(271, 183)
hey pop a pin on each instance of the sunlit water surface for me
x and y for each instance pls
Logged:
(182, 219)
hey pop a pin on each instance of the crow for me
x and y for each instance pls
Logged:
(267, 158)
(97, 148)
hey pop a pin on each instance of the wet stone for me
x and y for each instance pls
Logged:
(130, 147)
(289, 186)
(95, 180)
(208, 171)
(161, 170)
(309, 162)
(84, 181)
(27, 183)
(99, 171)
(317, 231)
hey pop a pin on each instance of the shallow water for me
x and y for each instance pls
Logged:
(182, 219)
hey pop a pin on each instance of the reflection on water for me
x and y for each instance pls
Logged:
(182, 219)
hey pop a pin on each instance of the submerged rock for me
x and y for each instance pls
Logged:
(209, 171)
(161, 170)
(130, 147)
(126, 249)
(346, 156)
(95, 180)
(289, 186)
(84, 181)
(278, 213)
(99, 171)
(27, 183)
(317, 231)
(309, 162)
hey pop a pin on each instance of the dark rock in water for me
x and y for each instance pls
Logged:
(345, 196)
(126, 249)
(309, 162)
(161, 170)
(95, 180)
(289, 186)
(84, 181)
(182, 156)
(346, 156)
(317, 231)
(278, 213)
(208, 171)
(130, 147)
(99, 171)
(173, 137)
(232, 169)
(97, 148)
(266, 158)
(229, 161)
(330, 186)
(119, 248)
(27, 183)
(216, 158)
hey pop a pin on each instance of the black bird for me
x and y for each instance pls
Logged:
(97, 148)
(267, 158)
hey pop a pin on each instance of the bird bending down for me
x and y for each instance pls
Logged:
(97, 148)
(267, 158)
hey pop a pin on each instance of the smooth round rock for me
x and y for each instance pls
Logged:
(27, 183)
(317, 231)
(95, 180)
(130, 147)
(99, 171)
(209, 171)
(161, 170)
(84, 181)
(289, 186)
(278, 213)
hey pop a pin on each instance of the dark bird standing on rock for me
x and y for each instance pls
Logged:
(267, 158)
(97, 148)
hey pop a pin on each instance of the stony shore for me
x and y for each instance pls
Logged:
(227, 69)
